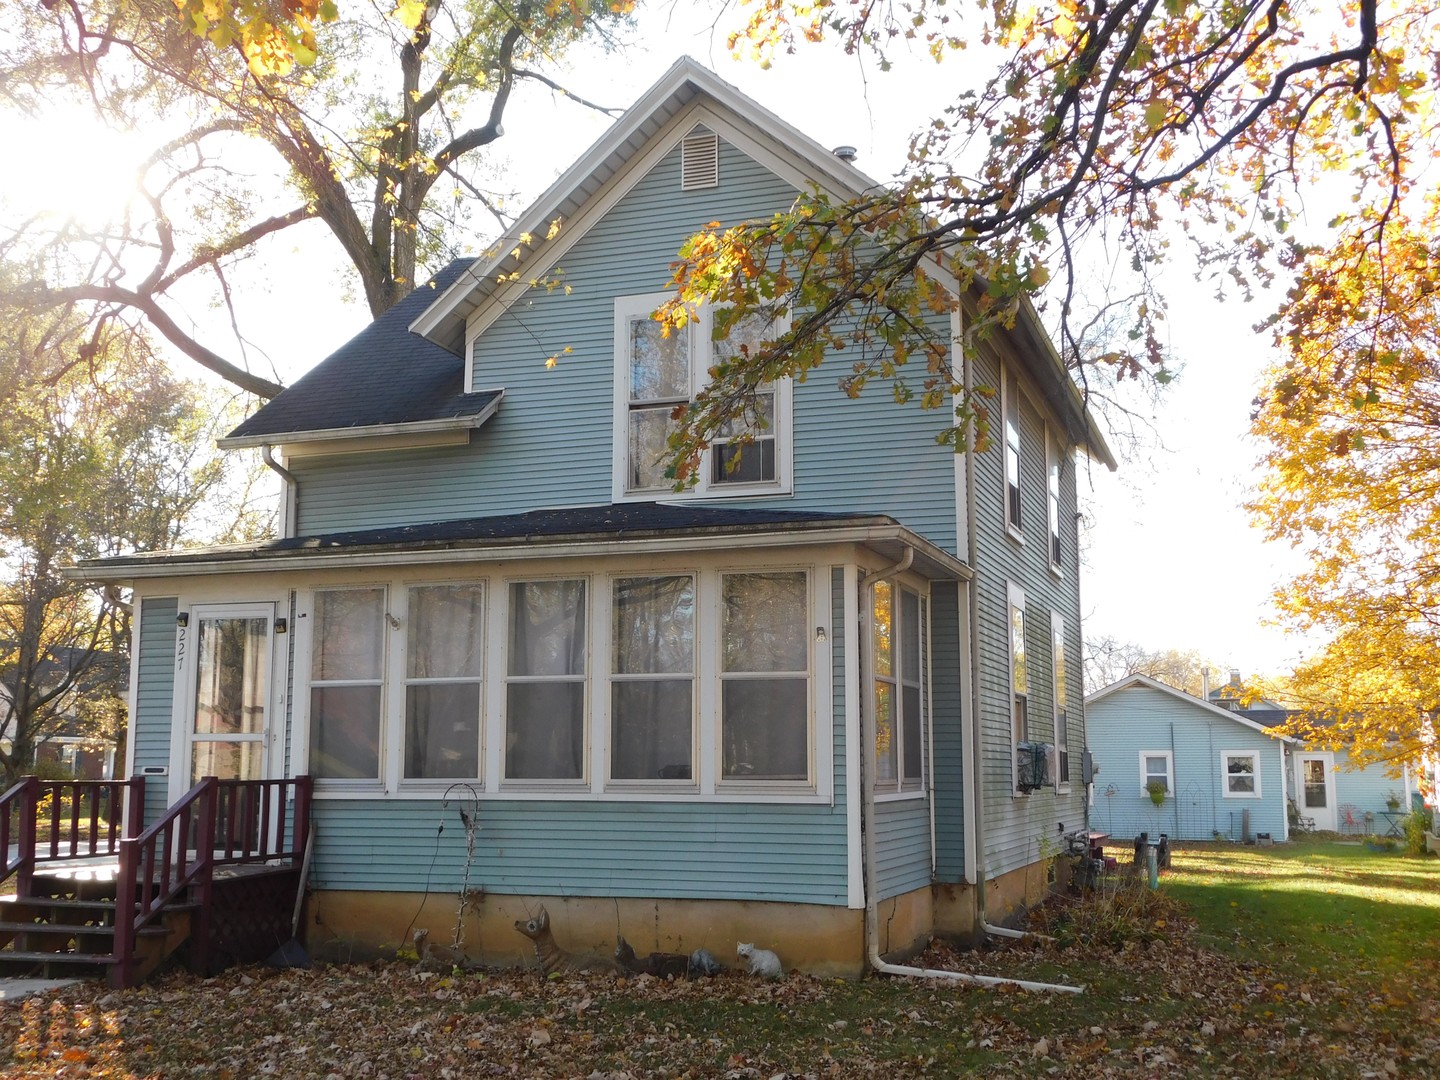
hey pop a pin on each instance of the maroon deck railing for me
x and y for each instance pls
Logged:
(217, 822)
(85, 819)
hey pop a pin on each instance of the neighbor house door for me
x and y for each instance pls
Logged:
(228, 722)
(1315, 788)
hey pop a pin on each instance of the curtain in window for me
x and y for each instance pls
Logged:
(346, 679)
(442, 691)
(545, 687)
(652, 686)
(764, 678)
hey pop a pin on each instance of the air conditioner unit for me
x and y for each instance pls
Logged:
(1034, 765)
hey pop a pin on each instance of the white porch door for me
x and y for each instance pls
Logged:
(228, 724)
(1315, 788)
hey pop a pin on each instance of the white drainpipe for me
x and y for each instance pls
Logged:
(872, 935)
(292, 491)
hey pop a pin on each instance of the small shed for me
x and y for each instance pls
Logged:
(1222, 775)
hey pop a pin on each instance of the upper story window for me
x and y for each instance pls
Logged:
(898, 700)
(1052, 462)
(657, 374)
(1010, 405)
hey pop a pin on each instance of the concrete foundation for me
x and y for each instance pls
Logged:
(825, 941)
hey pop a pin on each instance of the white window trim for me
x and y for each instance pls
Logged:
(699, 329)
(1054, 461)
(916, 788)
(1010, 391)
(1015, 597)
(1225, 792)
(706, 788)
(1169, 756)
(1057, 635)
(397, 658)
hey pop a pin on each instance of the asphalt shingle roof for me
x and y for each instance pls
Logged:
(383, 375)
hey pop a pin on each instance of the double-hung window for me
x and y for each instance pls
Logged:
(545, 681)
(1010, 406)
(765, 732)
(1157, 767)
(1061, 698)
(443, 667)
(1240, 774)
(658, 374)
(1052, 462)
(347, 682)
(898, 700)
(652, 680)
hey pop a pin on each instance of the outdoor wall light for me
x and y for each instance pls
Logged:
(183, 619)
(820, 635)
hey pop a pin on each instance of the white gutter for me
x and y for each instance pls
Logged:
(415, 427)
(394, 553)
(289, 504)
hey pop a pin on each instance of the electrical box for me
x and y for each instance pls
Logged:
(1087, 768)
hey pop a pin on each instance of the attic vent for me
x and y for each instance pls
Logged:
(700, 161)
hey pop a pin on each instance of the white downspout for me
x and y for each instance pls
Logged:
(872, 939)
(291, 495)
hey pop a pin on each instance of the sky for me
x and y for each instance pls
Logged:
(1171, 560)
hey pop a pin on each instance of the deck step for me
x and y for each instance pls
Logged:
(72, 930)
(85, 905)
(11, 959)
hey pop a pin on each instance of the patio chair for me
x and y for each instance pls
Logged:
(1352, 822)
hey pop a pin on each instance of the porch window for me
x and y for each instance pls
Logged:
(1061, 698)
(898, 701)
(444, 662)
(545, 682)
(347, 676)
(652, 681)
(1157, 766)
(1240, 772)
(765, 677)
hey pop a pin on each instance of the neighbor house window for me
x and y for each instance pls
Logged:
(1019, 672)
(898, 708)
(1240, 773)
(545, 681)
(659, 373)
(1053, 459)
(347, 677)
(1011, 408)
(443, 667)
(764, 677)
(652, 680)
(1061, 698)
(1157, 766)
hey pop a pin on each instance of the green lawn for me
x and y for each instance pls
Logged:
(1311, 960)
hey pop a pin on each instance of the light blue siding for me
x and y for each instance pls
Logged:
(682, 850)
(1366, 788)
(1018, 830)
(150, 726)
(550, 443)
(902, 847)
(1141, 718)
(946, 661)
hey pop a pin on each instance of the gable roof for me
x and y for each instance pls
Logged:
(1190, 699)
(489, 277)
(383, 377)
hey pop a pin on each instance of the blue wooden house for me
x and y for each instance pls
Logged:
(782, 706)
(1223, 775)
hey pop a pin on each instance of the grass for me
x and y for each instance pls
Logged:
(1335, 909)
(1308, 960)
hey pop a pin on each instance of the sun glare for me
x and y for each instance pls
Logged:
(70, 165)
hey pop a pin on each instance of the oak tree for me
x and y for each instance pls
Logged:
(381, 139)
